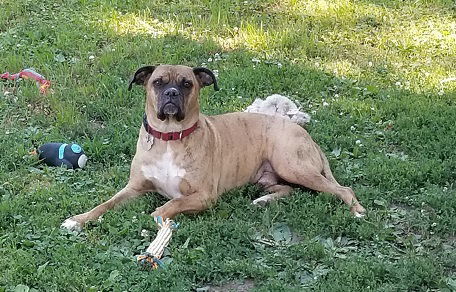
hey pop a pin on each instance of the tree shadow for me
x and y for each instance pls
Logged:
(90, 94)
(380, 137)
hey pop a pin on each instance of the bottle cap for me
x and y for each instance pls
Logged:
(76, 148)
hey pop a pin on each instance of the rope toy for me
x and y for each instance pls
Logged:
(155, 250)
(42, 82)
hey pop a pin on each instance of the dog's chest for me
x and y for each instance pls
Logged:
(165, 174)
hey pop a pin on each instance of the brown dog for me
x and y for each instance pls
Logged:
(192, 159)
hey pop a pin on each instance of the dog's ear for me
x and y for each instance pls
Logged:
(206, 77)
(141, 76)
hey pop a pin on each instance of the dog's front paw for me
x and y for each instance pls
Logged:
(71, 225)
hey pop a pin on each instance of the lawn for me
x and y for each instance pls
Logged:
(373, 74)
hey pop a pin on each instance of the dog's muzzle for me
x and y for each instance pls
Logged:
(171, 104)
(170, 109)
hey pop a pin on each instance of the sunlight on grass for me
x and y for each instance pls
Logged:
(348, 40)
(342, 68)
(409, 38)
(370, 73)
(134, 24)
(251, 36)
(319, 8)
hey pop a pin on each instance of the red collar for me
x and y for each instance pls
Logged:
(170, 135)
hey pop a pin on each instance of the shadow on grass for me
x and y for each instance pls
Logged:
(91, 96)
(404, 153)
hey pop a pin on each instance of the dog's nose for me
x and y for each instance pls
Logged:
(171, 92)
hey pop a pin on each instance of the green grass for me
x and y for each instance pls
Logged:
(379, 66)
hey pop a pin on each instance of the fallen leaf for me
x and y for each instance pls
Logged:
(41, 268)
(336, 152)
(21, 288)
(281, 233)
(59, 58)
(380, 203)
(113, 275)
(185, 245)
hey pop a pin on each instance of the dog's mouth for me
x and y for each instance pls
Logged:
(170, 109)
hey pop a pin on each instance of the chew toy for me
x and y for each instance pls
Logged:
(58, 154)
(42, 82)
(155, 250)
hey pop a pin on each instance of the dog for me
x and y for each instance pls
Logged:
(192, 159)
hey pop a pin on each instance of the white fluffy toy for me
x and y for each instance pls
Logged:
(279, 105)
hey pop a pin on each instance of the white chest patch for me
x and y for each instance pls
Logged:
(165, 175)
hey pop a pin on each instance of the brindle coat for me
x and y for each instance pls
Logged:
(224, 152)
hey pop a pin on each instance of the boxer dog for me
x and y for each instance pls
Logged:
(192, 159)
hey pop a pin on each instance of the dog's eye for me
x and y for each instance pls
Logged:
(157, 82)
(187, 84)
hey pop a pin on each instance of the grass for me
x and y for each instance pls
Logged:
(368, 71)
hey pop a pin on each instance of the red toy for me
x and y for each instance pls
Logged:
(42, 83)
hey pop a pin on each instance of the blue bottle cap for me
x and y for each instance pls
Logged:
(76, 148)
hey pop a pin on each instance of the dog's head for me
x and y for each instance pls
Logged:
(173, 90)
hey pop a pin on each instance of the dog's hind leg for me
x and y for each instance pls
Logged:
(303, 163)
(277, 192)
(310, 168)
(313, 179)
(270, 181)
(326, 169)
(357, 209)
